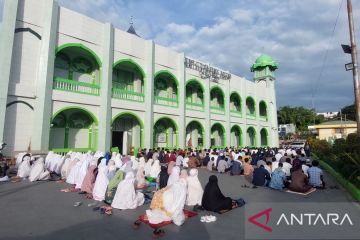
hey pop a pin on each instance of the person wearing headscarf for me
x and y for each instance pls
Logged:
(170, 167)
(213, 200)
(183, 174)
(140, 178)
(89, 181)
(20, 158)
(118, 161)
(148, 165)
(163, 177)
(86, 158)
(142, 162)
(65, 166)
(24, 167)
(112, 169)
(112, 186)
(174, 176)
(168, 204)
(210, 164)
(155, 169)
(101, 181)
(126, 197)
(194, 188)
(38, 171)
(75, 167)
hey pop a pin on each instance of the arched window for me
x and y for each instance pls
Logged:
(217, 100)
(165, 89)
(194, 95)
(77, 69)
(263, 111)
(250, 108)
(128, 81)
(235, 104)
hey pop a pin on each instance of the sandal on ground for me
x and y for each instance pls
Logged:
(77, 204)
(158, 233)
(136, 224)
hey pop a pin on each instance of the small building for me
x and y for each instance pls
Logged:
(335, 129)
(328, 115)
(286, 128)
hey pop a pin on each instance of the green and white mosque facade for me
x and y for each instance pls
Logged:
(70, 82)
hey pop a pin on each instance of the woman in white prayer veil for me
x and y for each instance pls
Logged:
(37, 171)
(24, 167)
(65, 166)
(174, 176)
(194, 188)
(147, 167)
(48, 159)
(168, 204)
(86, 159)
(19, 158)
(126, 197)
(142, 162)
(155, 169)
(101, 181)
(135, 162)
(71, 179)
(118, 162)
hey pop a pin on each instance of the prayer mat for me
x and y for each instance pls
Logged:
(142, 218)
(305, 193)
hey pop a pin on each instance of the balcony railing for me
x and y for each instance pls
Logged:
(76, 86)
(217, 110)
(235, 113)
(250, 116)
(127, 95)
(195, 106)
(172, 102)
(263, 118)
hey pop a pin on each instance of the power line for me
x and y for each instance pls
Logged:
(325, 57)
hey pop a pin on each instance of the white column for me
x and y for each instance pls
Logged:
(227, 113)
(272, 116)
(207, 125)
(149, 94)
(182, 98)
(43, 99)
(7, 29)
(105, 114)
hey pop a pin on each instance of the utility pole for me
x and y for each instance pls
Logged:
(355, 65)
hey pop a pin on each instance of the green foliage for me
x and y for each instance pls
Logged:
(349, 111)
(343, 156)
(301, 117)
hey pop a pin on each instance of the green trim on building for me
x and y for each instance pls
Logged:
(75, 108)
(202, 130)
(241, 134)
(138, 119)
(266, 135)
(263, 117)
(131, 61)
(82, 46)
(250, 116)
(224, 133)
(255, 137)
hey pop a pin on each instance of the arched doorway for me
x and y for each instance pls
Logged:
(165, 133)
(218, 136)
(250, 107)
(127, 130)
(264, 137)
(128, 81)
(251, 137)
(236, 136)
(73, 128)
(194, 134)
(165, 89)
(77, 69)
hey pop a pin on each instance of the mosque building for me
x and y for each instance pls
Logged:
(69, 82)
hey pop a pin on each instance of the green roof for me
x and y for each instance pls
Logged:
(264, 61)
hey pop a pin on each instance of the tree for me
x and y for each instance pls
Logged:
(301, 117)
(349, 111)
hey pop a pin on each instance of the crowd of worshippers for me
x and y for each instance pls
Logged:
(121, 182)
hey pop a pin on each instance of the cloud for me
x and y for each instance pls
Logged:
(232, 34)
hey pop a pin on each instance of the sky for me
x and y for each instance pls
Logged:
(231, 34)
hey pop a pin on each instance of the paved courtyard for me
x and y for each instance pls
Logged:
(40, 211)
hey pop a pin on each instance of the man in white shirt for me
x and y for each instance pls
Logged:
(286, 167)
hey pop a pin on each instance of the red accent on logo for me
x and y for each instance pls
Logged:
(267, 213)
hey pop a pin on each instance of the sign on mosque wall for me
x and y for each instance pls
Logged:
(206, 71)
